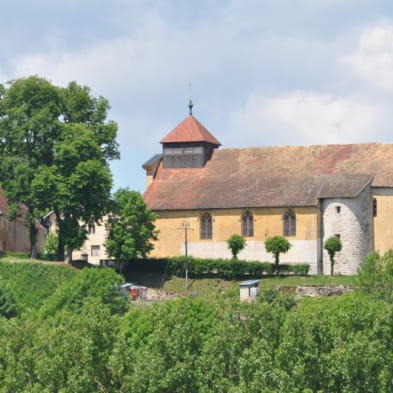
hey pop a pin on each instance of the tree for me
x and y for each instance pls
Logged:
(51, 243)
(375, 276)
(130, 226)
(332, 245)
(236, 243)
(277, 245)
(54, 156)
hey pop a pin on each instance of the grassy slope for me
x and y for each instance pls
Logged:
(33, 281)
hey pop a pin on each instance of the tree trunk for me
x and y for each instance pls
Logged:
(277, 261)
(32, 236)
(61, 247)
(33, 251)
(69, 255)
(331, 266)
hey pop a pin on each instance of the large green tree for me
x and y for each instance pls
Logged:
(131, 228)
(54, 156)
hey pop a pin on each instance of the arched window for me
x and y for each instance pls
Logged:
(247, 224)
(289, 223)
(206, 226)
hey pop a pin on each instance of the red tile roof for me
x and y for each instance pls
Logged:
(190, 130)
(273, 176)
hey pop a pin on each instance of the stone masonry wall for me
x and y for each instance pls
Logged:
(351, 219)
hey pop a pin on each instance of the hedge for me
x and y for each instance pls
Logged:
(219, 268)
(26, 255)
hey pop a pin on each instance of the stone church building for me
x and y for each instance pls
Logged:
(305, 193)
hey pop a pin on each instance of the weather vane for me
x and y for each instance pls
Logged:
(190, 104)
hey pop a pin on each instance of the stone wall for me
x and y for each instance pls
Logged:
(351, 219)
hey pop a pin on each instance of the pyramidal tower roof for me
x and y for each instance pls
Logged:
(190, 130)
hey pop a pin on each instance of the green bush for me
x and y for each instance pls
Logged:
(229, 269)
(33, 283)
(19, 255)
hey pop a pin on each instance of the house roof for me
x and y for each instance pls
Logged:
(190, 130)
(273, 176)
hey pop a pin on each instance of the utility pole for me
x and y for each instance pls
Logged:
(186, 227)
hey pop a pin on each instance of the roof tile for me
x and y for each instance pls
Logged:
(190, 130)
(273, 176)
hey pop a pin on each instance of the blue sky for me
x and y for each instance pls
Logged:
(266, 72)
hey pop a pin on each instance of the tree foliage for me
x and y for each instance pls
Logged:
(55, 153)
(236, 243)
(375, 276)
(277, 245)
(51, 243)
(332, 246)
(8, 306)
(130, 226)
(81, 341)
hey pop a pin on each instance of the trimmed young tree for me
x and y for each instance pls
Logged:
(236, 243)
(332, 245)
(277, 245)
(130, 226)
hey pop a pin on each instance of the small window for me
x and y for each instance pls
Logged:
(91, 230)
(337, 235)
(338, 209)
(95, 251)
(374, 207)
(290, 223)
(206, 226)
(247, 224)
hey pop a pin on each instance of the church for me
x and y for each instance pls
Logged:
(305, 193)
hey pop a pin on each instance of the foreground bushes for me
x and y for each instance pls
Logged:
(231, 269)
(322, 345)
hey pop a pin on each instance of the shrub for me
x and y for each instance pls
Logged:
(236, 243)
(332, 245)
(230, 269)
(277, 245)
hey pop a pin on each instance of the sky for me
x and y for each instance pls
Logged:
(262, 72)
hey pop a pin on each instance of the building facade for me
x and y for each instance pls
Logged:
(14, 236)
(305, 193)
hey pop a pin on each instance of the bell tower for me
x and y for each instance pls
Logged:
(189, 145)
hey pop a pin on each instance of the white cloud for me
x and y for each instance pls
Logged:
(303, 117)
(373, 59)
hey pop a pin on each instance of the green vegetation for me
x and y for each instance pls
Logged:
(81, 337)
(130, 226)
(55, 149)
(277, 245)
(236, 243)
(231, 269)
(33, 283)
(375, 276)
(332, 246)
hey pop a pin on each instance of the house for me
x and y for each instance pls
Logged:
(93, 249)
(13, 234)
(305, 193)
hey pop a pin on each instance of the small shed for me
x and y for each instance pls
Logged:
(249, 290)
(134, 291)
